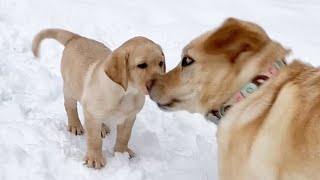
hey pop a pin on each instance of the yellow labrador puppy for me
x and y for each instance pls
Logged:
(268, 111)
(110, 85)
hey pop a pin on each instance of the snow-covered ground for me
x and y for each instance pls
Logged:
(34, 142)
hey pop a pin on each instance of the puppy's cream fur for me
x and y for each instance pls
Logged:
(274, 133)
(108, 84)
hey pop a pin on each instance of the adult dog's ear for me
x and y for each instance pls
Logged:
(235, 37)
(116, 67)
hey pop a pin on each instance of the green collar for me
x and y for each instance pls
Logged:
(216, 115)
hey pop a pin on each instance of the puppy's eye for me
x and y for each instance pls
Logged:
(186, 61)
(160, 64)
(142, 66)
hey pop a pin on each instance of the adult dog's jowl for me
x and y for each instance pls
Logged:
(268, 112)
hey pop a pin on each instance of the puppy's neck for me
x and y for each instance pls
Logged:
(133, 90)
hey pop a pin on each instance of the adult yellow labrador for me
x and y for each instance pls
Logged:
(110, 86)
(268, 111)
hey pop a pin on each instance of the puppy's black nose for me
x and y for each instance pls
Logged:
(150, 84)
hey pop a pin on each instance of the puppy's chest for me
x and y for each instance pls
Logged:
(119, 108)
(128, 106)
(130, 103)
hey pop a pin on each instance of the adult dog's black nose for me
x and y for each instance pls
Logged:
(150, 84)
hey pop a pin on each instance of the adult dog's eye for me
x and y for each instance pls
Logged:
(186, 61)
(161, 63)
(142, 66)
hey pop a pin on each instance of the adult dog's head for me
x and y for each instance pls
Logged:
(214, 66)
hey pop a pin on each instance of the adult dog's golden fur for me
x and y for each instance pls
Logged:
(110, 85)
(274, 134)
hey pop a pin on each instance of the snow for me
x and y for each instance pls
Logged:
(34, 142)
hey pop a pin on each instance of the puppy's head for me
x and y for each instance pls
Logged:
(135, 63)
(214, 66)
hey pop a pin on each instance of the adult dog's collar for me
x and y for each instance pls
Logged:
(249, 88)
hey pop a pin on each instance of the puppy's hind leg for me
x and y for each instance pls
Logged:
(74, 124)
(105, 130)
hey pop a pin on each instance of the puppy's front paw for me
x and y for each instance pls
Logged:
(123, 149)
(75, 129)
(104, 130)
(93, 160)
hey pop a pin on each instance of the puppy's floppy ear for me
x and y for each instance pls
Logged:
(116, 67)
(235, 37)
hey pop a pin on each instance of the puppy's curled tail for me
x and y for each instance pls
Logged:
(60, 35)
